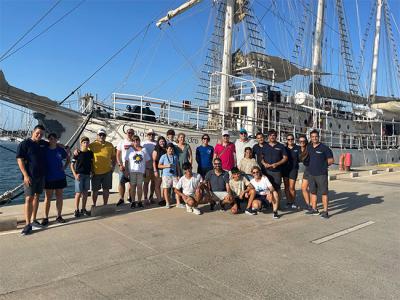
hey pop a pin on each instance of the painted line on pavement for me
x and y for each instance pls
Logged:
(341, 233)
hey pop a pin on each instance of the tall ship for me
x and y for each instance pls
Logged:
(242, 86)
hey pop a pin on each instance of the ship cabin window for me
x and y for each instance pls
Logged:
(236, 111)
(339, 126)
(289, 119)
(348, 126)
(305, 122)
(243, 111)
(330, 125)
(239, 111)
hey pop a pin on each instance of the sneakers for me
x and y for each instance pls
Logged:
(307, 209)
(77, 213)
(324, 215)
(161, 202)
(180, 205)
(139, 204)
(275, 215)
(60, 220)
(130, 200)
(167, 205)
(120, 202)
(85, 212)
(45, 222)
(212, 206)
(250, 212)
(133, 204)
(222, 206)
(312, 212)
(27, 230)
(189, 209)
(196, 211)
(36, 225)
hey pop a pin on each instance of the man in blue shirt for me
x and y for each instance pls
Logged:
(204, 156)
(258, 150)
(321, 157)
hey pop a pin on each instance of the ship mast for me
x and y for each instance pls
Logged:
(373, 91)
(317, 48)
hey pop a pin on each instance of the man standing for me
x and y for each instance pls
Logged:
(321, 157)
(31, 159)
(149, 145)
(258, 150)
(103, 166)
(122, 147)
(225, 152)
(242, 143)
(274, 157)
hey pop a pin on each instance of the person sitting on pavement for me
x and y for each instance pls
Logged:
(226, 152)
(191, 193)
(122, 147)
(242, 190)
(204, 156)
(218, 189)
(264, 192)
(56, 179)
(81, 167)
(135, 167)
(247, 163)
(169, 165)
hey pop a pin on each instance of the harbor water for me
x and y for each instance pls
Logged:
(10, 175)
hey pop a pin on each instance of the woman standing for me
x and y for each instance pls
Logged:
(55, 177)
(183, 151)
(291, 170)
(304, 158)
(159, 150)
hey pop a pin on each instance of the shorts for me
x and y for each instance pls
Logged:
(291, 174)
(36, 187)
(169, 182)
(122, 178)
(263, 199)
(55, 184)
(318, 184)
(136, 178)
(83, 184)
(102, 181)
(149, 175)
(306, 175)
(249, 177)
(219, 195)
(275, 178)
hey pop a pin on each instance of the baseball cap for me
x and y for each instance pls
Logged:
(102, 131)
(242, 130)
(225, 132)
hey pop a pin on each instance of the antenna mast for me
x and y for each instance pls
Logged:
(317, 54)
(373, 91)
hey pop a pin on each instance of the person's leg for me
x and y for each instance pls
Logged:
(305, 192)
(139, 192)
(139, 186)
(152, 185)
(146, 183)
(59, 201)
(35, 206)
(77, 200)
(28, 209)
(121, 190)
(106, 195)
(133, 191)
(313, 201)
(166, 195)
(96, 184)
(287, 190)
(256, 204)
(47, 200)
(292, 190)
(252, 195)
(84, 199)
(157, 187)
(325, 202)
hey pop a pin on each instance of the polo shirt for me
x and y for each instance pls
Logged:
(258, 153)
(318, 156)
(103, 157)
(293, 157)
(217, 183)
(273, 154)
(227, 155)
(34, 156)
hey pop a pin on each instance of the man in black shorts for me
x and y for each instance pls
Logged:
(274, 157)
(31, 159)
(320, 158)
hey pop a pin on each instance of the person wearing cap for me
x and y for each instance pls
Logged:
(204, 156)
(226, 152)
(81, 167)
(122, 147)
(103, 166)
(149, 145)
(242, 143)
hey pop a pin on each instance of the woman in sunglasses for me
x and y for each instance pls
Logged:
(264, 192)
(159, 150)
(291, 170)
(304, 158)
(204, 155)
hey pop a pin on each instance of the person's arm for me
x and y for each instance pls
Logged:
(119, 161)
(190, 155)
(215, 155)
(198, 156)
(73, 170)
(21, 165)
(161, 164)
(113, 158)
(235, 159)
(330, 160)
(279, 163)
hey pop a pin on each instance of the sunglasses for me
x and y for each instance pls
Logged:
(217, 164)
(302, 141)
(255, 172)
(136, 140)
(243, 132)
(290, 139)
(205, 138)
(102, 134)
(130, 132)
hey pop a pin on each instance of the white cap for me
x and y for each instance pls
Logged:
(151, 130)
(101, 130)
(225, 132)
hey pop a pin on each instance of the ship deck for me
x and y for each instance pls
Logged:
(170, 254)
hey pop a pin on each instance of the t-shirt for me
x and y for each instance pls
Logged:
(241, 145)
(137, 160)
(123, 146)
(169, 159)
(54, 163)
(204, 156)
(318, 164)
(34, 156)
(238, 186)
(246, 164)
(262, 187)
(217, 182)
(293, 157)
(258, 153)
(83, 162)
(189, 186)
(273, 154)
(103, 157)
(227, 155)
(149, 146)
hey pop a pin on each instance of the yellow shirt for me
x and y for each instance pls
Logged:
(104, 154)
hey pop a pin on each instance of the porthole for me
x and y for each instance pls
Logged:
(339, 126)
(330, 125)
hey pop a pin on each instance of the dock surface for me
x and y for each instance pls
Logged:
(156, 253)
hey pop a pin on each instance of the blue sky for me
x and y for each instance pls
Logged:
(58, 61)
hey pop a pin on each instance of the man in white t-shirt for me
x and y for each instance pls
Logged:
(122, 147)
(191, 184)
(149, 145)
(135, 167)
(242, 143)
(264, 192)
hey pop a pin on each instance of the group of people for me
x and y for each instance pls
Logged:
(247, 172)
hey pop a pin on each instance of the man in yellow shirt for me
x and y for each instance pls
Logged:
(103, 166)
